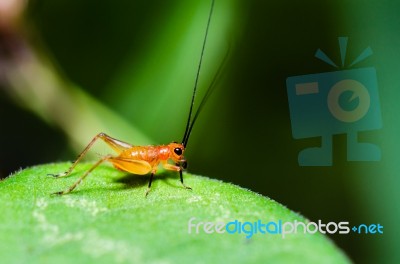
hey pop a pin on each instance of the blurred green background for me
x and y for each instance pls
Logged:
(71, 69)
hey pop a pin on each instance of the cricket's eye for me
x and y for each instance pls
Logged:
(178, 151)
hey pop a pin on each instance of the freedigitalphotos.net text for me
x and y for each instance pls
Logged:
(279, 227)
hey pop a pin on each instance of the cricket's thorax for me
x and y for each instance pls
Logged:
(149, 153)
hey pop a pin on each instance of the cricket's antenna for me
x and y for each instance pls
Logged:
(206, 96)
(187, 129)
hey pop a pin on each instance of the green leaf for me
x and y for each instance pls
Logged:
(107, 219)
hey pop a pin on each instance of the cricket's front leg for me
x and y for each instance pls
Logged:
(172, 167)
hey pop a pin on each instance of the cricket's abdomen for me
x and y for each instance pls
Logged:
(151, 154)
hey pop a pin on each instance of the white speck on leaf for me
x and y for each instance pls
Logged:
(194, 199)
(92, 243)
(97, 246)
(88, 206)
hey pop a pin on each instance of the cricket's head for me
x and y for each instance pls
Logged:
(177, 150)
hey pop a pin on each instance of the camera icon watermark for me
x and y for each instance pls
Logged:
(338, 102)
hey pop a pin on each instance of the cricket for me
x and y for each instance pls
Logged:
(143, 160)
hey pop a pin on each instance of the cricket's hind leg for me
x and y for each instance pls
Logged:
(117, 145)
(76, 183)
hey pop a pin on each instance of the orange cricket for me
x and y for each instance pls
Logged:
(139, 160)
(143, 160)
